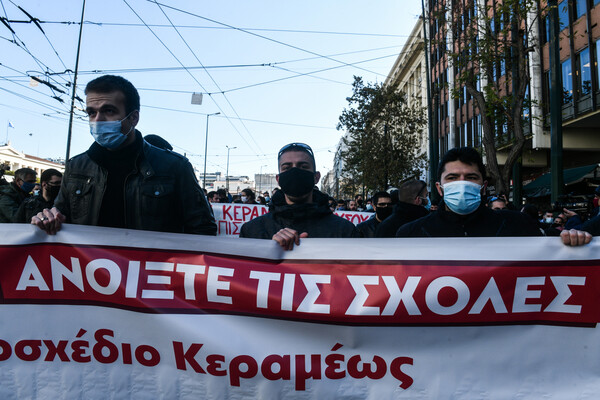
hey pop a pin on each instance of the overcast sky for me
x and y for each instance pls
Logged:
(277, 71)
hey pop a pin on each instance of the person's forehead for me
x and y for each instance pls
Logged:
(459, 167)
(295, 157)
(384, 200)
(96, 99)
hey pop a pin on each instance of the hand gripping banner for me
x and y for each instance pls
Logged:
(99, 312)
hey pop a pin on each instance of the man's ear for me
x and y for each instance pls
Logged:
(134, 118)
(317, 177)
(484, 187)
(277, 179)
(439, 189)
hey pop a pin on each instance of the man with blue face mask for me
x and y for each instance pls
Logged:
(461, 184)
(122, 181)
(12, 195)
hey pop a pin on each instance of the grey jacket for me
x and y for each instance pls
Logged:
(161, 194)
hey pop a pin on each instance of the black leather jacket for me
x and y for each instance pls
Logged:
(161, 194)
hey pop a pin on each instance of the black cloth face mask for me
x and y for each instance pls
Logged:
(296, 182)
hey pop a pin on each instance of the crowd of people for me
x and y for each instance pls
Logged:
(125, 180)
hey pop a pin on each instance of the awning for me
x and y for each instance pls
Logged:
(541, 186)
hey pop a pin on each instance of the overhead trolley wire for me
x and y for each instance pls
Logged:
(262, 37)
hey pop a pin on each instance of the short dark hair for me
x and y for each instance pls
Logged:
(467, 155)
(48, 174)
(22, 173)
(211, 194)
(408, 191)
(378, 196)
(298, 147)
(114, 83)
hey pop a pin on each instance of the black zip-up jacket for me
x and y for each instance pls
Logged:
(160, 193)
(314, 218)
(403, 214)
(481, 223)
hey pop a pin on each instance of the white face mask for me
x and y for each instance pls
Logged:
(549, 220)
(244, 198)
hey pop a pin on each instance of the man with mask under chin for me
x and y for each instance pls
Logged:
(298, 210)
(122, 181)
(461, 184)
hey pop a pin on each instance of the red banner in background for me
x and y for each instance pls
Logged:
(230, 217)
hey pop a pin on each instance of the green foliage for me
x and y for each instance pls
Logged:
(381, 147)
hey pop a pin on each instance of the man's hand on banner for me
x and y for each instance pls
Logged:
(49, 220)
(574, 237)
(288, 237)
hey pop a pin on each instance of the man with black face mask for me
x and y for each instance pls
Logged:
(50, 181)
(12, 195)
(383, 209)
(413, 204)
(298, 210)
(461, 184)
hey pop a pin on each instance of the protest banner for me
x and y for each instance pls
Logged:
(99, 312)
(230, 217)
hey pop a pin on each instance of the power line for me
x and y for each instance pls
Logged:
(244, 119)
(221, 28)
(262, 37)
(193, 77)
(211, 77)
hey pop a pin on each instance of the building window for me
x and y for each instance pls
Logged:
(584, 73)
(563, 14)
(580, 8)
(596, 59)
(567, 81)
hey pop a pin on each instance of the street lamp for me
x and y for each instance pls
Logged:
(227, 172)
(206, 148)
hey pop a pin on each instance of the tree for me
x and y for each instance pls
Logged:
(490, 47)
(381, 145)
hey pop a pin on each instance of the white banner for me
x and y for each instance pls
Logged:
(98, 312)
(230, 217)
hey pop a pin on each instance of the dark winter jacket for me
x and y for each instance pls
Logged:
(368, 228)
(161, 193)
(481, 223)
(403, 214)
(314, 218)
(30, 207)
(11, 197)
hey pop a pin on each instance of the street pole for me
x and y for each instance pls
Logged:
(206, 148)
(431, 133)
(227, 172)
(70, 132)
(260, 178)
(556, 142)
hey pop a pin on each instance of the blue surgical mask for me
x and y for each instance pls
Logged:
(462, 197)
(27, 186)
(427, 204)
(108, 133)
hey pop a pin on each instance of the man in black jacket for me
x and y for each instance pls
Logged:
(413, 203)
(13, 194)
(383, 209)
(461, 184)
(50, 181)
(122, 181)
(298, 210)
